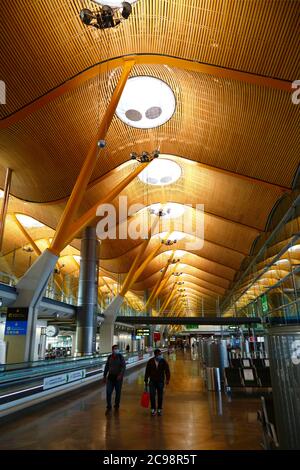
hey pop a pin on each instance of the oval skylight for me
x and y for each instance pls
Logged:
(160, 172)
(146, 102)
(173, 236)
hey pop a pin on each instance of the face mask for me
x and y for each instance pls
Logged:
(116, 351)
(158, 358)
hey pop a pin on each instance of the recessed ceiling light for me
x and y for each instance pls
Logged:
(146, 102)
(173, 235)
(1, 194)
(161, 172)
(282, 261)
(28, 221)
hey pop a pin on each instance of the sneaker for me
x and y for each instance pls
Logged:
(159, 412)
(153, 412)
(108, 410)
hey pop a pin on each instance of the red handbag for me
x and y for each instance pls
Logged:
(145, 399)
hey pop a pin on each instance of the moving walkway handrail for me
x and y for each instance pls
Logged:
(50, 367)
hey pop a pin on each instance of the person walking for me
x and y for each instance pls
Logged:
(113, 375)
(157, 370)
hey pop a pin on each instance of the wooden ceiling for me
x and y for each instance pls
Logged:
(235, 136)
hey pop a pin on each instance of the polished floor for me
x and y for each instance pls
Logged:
(193, 418)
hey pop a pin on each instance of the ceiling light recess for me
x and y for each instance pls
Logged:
(161, 172)
(28, 222)
(146, 102)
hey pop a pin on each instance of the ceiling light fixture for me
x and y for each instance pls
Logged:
(108, 15)
(170, 210)
(146, 102)
(145, 157)
(161, 172)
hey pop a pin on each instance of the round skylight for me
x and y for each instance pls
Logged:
(146, 102)
(292, 249)
(173, 236)
(160, 172)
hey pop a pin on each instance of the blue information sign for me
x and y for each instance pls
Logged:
(16, 322)
(16, 328)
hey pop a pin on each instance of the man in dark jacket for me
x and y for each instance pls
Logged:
(157, 370)
(113, 375)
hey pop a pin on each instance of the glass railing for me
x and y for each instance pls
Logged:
(27, 370)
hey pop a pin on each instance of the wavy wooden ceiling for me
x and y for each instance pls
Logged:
(246, 129)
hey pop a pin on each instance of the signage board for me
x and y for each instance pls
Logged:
(50, 382)
(76, 375)
(62, 379)
(264, 303)
(192, 327)
(16, 322)
(156, 336)
(142, 332)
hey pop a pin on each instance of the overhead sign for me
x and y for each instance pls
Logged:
(264, 303)
(16, 322)
(142, 332)
(156, 336)
(192, 327)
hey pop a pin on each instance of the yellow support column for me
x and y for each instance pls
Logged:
(164, 283)
(175, 305)
(27, 236)
(137, 261)
(168, 299)
(155, 289)
(89, 164)
(90, 216)
(130, 280)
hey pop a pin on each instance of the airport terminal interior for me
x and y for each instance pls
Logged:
(150, 200)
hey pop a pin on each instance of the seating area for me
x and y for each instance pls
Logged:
(247, 372)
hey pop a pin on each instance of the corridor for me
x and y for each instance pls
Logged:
(193, 418)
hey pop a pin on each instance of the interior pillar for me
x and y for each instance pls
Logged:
(284, 353)
(87, 295)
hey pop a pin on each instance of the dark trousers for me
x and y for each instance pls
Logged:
(112, 385)
(159, 388)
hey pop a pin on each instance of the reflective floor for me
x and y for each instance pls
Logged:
(193, 418)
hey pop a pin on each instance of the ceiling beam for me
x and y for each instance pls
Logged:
(142, 59)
